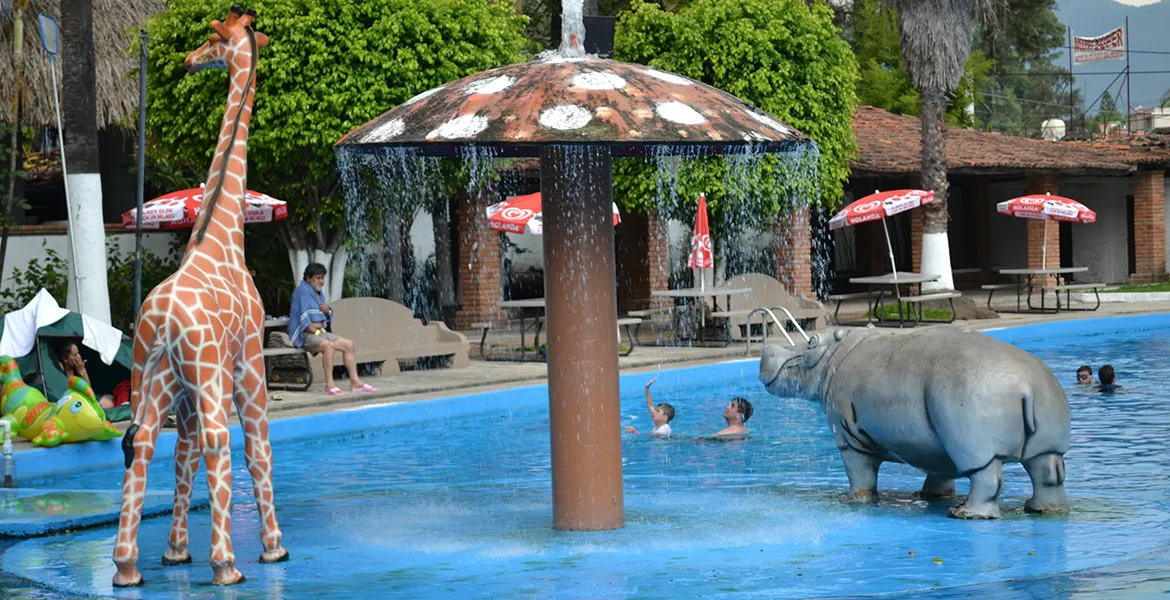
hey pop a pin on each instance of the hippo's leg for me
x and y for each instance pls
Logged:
(1047, 473)
(862, 470)
(982, 501)
(937, 486)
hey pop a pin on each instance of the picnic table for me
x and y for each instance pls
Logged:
(692, 294)
(533, 309)
(1030, 284)
(896, 280)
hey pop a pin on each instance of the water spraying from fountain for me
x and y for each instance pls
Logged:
(576, 113)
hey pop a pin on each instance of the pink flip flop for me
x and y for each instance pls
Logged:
(334, 391)
(365, 388)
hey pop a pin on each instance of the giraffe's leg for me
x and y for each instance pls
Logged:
(209, 377)
(140, 438)
(186, 464)
(252, 405)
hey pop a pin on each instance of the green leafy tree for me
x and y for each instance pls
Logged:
(1029, 82)
(1108, 112)
(331, 66)
(784, 56)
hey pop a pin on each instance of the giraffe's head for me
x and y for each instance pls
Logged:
(229, 39)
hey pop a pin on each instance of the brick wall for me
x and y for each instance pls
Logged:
(643, 263)
(1040, 183)
(479, 265)
(1149, 232)
(794, 252)
(659, 258)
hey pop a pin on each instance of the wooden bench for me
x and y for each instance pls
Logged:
(485, 328)
(766, 292)
(383, 332)
(1068, 288)
(628, 322)
(991, 287)
(918, 300)
(651, 313)
(875, 295)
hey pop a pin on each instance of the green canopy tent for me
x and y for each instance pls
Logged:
(40, 368)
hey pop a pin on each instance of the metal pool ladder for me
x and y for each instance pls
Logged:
(765, 313)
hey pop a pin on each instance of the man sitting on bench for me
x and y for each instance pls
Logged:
(308, 322)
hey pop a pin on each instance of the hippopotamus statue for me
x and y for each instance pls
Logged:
(947, 400)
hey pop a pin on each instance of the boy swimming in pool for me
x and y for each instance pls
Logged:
(661, 414)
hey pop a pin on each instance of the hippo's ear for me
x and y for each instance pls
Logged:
(814, 341)
(839, 334)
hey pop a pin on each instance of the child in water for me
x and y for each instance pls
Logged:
(661, 414)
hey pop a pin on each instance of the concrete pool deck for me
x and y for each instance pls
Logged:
(483, 376)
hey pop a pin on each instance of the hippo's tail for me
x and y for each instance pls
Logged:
(1029, 406)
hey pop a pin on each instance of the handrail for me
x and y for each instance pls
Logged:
(9, 460)
(763, 322)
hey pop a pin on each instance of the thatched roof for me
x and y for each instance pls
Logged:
(115, 27)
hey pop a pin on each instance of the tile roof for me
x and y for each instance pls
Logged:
(891, 144)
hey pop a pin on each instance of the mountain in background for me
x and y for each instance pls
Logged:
(1147, 31)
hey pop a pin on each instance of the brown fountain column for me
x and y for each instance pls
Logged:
(581, 306)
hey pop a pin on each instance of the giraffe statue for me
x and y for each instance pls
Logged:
(198, 347)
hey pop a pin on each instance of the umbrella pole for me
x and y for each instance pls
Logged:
(1044, 247)
(72, 229)
(41, 370)
(894, 267)
(890, 247)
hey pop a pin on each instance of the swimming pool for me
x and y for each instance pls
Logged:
(451, 498)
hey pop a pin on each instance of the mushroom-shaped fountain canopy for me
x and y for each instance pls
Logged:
(553, 100)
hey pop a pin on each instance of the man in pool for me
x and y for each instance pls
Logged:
(661, 414)
(1085, 375)
(737, 412)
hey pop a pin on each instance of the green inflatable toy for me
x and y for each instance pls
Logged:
(77, 417)
(24, 407)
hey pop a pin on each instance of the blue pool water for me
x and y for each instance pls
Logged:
(451, 498)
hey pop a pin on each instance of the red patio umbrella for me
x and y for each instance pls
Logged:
(880, 205)
(1049, 208)
(178, 210)
(701, 257)
(522, 214)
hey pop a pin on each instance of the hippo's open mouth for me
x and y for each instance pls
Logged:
(779, 372)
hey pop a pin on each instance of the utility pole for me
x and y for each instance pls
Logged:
(1072, 109)
(1128, 101)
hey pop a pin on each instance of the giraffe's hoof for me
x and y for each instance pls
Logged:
(133, 580)
(174, 558)
(275, 556)
(230, 577)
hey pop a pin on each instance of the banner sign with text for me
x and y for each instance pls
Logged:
(1110, 46)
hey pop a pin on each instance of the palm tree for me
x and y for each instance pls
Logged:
(935, 37)
(79, 85)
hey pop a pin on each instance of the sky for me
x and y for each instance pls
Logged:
(1137, 2)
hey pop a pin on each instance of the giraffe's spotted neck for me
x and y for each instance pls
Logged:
(221, 221)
